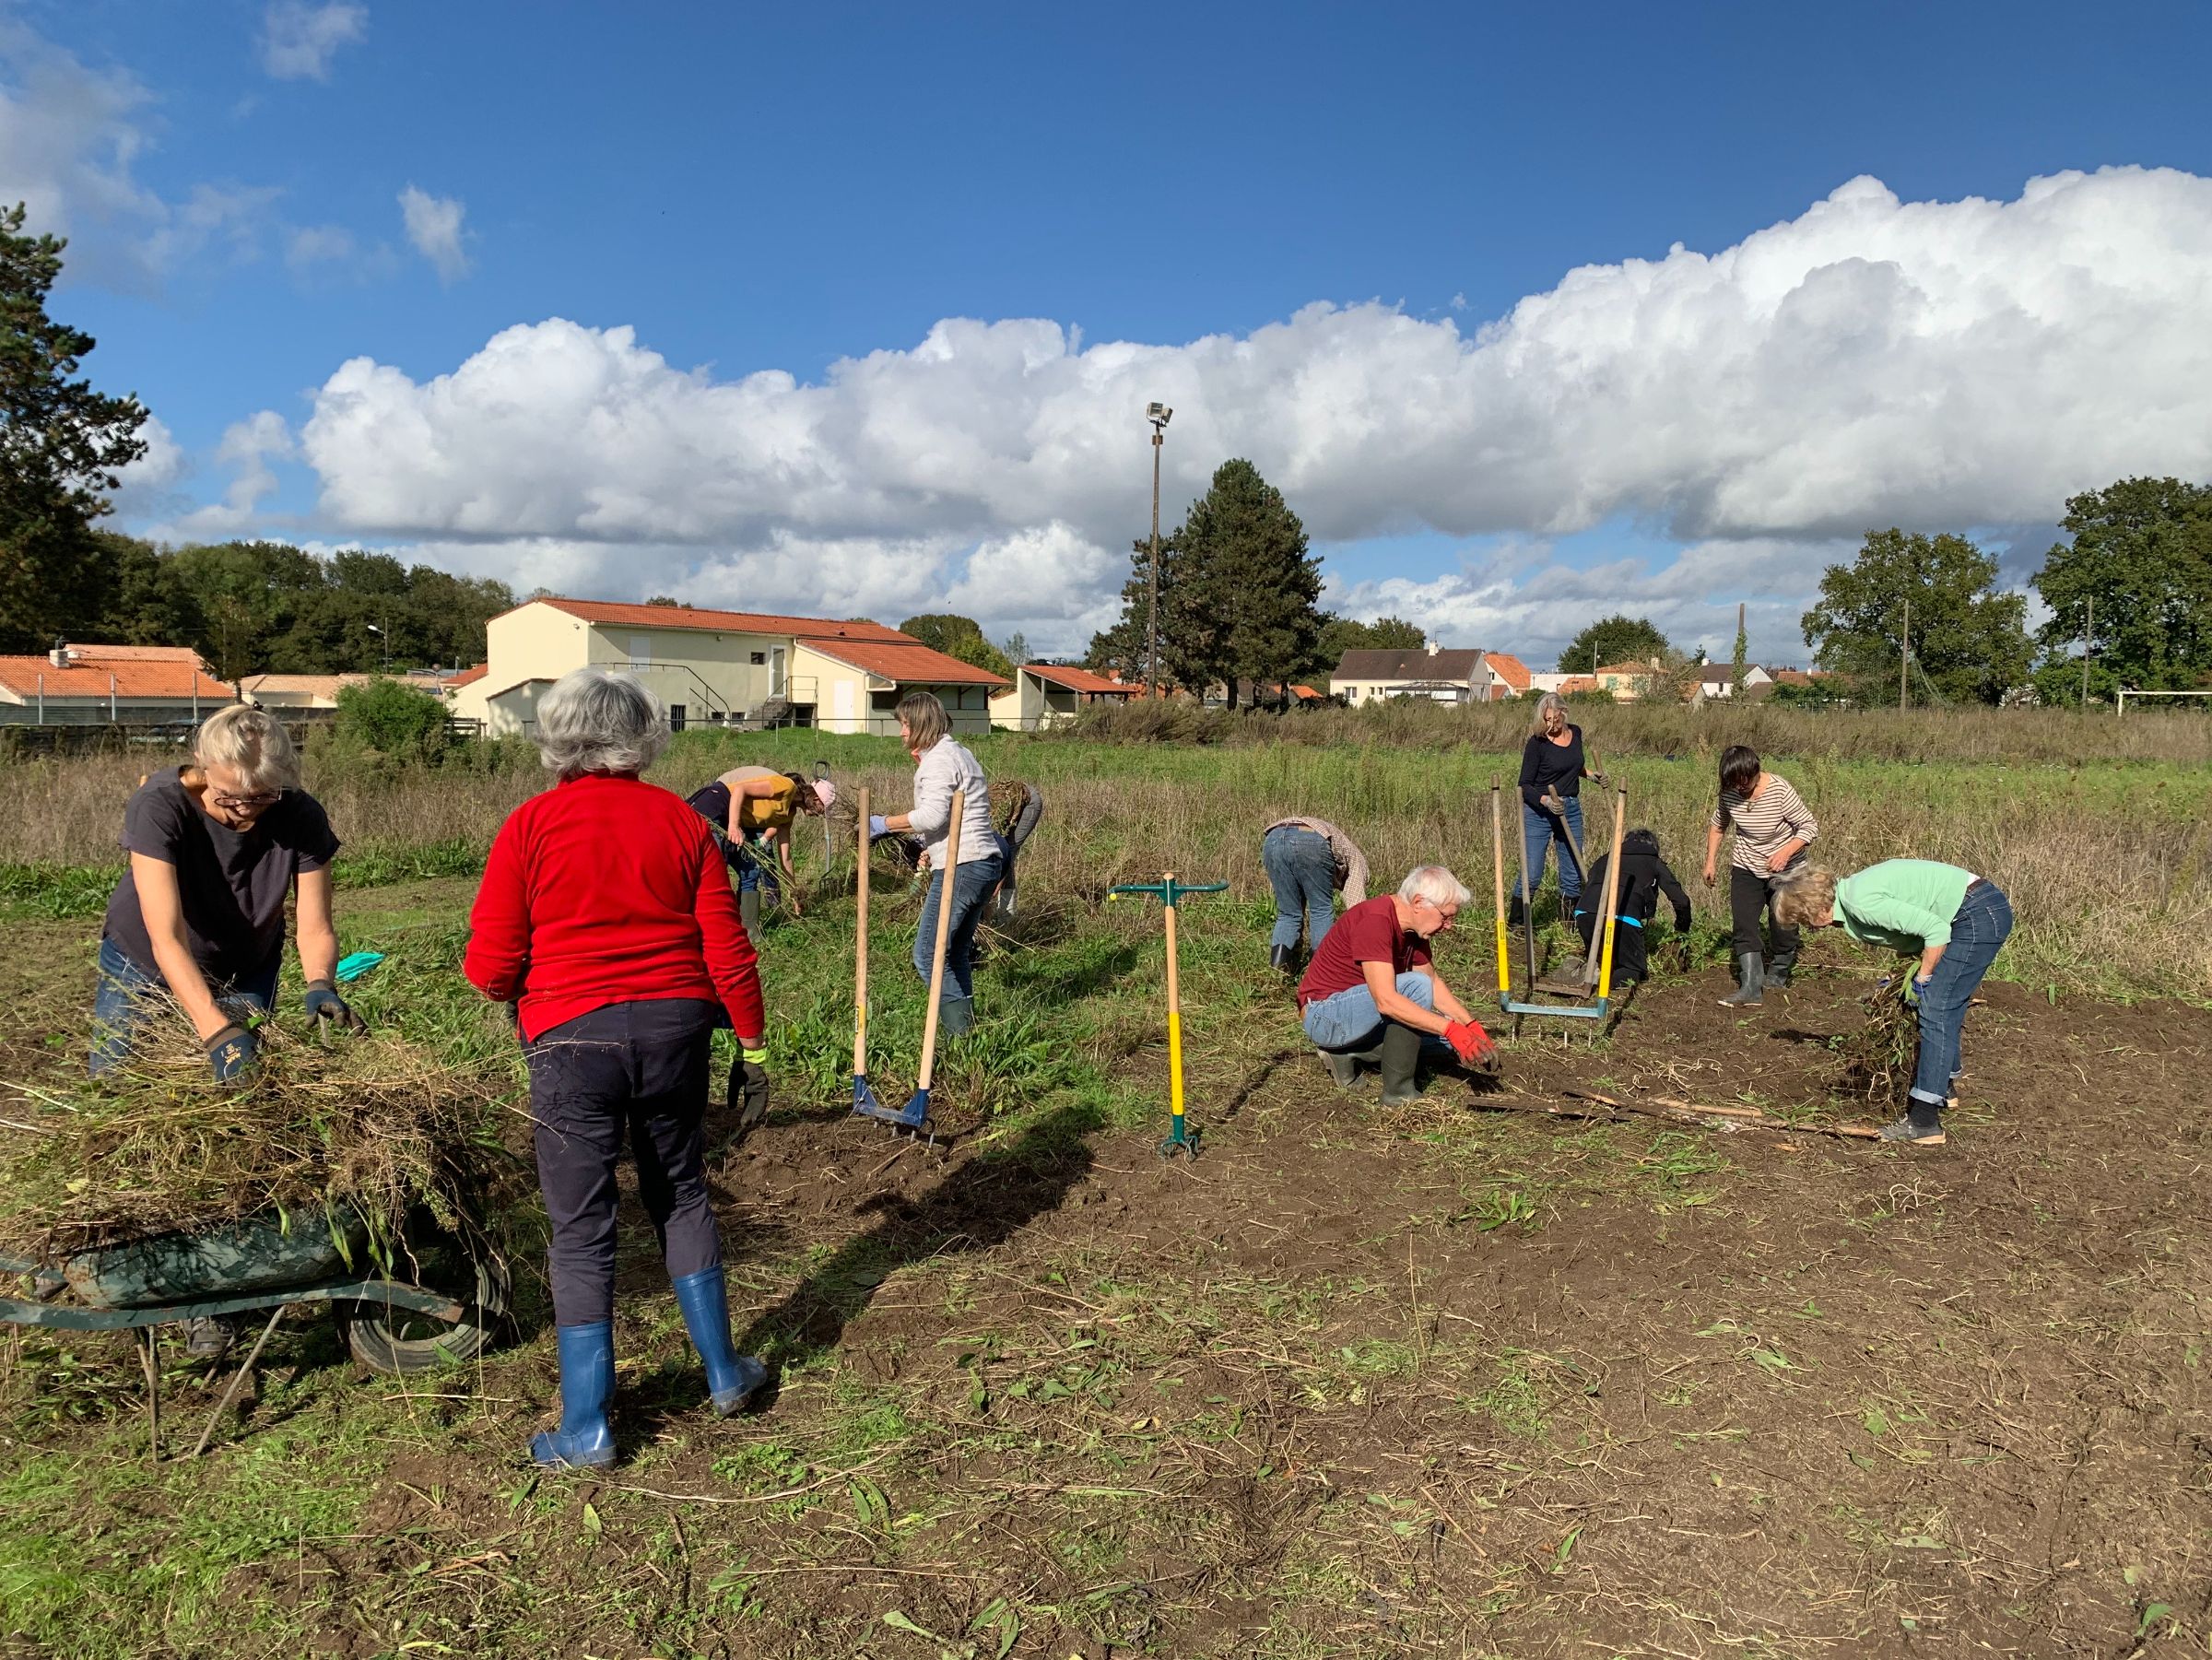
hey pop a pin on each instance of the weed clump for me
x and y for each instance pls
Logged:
(369, 1127)
(1879, 1057)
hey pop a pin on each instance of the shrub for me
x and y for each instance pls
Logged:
(393, 720)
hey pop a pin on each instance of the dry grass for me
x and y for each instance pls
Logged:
(373, 1125)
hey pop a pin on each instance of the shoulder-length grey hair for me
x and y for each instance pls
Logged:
(599, 720)
(1544, 705)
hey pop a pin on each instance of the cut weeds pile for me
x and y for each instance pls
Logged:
(372, 1125)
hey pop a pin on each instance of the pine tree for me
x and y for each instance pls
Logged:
(1251, 582)
(61, 446)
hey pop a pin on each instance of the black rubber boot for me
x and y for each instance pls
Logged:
(1778, 970)
(1401, 1057)
(1751, 992)
(1344, 1064)
(1516, 914)
(1283, 959)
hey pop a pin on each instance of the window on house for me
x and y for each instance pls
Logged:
(759, 659)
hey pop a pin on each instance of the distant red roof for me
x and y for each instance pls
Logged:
(723, 622)
(1510, 669)
(139, 672)
(904, 660)
(1078, 679)
(1574, 683)
(467, 676)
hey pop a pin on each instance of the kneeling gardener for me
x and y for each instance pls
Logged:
(1371, 994)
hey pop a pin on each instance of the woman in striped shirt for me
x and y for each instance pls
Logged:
(1772, 827)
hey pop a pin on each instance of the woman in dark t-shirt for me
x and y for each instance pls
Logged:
(215, 849)
(1552, 769)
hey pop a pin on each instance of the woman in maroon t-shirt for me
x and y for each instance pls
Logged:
(1372, 990)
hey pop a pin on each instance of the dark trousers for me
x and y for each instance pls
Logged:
(1630, 960)
(643, 1065)
(1751, 898)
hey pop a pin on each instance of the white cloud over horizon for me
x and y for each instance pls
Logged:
(1871, 361)
(298, 39)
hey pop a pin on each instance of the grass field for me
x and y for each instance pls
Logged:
(1463, 1379)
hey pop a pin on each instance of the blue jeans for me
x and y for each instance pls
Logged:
(972, 886)
(1543, 829)
(126, 996)
(1302, 871)
(1349, 1019)
(1984, 918)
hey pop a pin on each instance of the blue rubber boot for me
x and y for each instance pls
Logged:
(587, 1382)
(731, 1377)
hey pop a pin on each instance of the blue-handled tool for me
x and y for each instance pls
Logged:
(1168, 891)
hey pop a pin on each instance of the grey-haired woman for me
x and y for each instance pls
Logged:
(606, 916)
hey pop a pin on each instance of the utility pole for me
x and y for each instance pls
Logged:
(2087, 631)
(1158, 414)
(1904, 656)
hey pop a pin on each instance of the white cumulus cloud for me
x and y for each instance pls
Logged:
(298, 39)
(434, 227)
(1936, 364)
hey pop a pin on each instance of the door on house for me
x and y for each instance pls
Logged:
(775, 672)
(640, 651)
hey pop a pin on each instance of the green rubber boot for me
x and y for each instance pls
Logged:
(1401, 1065)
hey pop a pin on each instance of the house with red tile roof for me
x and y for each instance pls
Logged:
(132, 685)
(720, 668)
(1048, 694)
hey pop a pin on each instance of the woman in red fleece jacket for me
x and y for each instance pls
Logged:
(605, 915)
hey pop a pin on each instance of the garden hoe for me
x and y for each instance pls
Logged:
(914, 1116)
(1183, 1140)
(1596, 1010)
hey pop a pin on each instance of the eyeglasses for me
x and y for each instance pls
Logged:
(1441, 911)
(248, 804)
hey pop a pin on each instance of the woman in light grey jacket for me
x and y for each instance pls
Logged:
(942, 766)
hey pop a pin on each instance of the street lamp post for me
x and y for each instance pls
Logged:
(386, 640)
(1158, 414)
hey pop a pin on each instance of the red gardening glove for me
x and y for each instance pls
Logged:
(1470, 1042)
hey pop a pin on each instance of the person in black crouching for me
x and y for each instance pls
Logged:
(1644, 877)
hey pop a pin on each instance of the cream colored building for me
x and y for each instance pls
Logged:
(298, 691)
(719, 668)
(1044, 694)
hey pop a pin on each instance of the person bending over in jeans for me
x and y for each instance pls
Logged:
(1371, 993)
(1952, 920)
(1306, 860)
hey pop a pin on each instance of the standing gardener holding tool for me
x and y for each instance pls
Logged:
(944, 773)
(753, 808)
(1552, 769)
(1773, 828)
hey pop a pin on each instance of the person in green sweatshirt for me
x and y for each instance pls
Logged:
(1951, 919)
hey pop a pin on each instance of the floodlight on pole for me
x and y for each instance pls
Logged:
(386, 639)
(1159, 415)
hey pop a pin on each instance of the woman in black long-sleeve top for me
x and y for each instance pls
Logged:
(1552, 769)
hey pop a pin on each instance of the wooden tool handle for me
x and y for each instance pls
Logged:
(937, 967)
(860, 947)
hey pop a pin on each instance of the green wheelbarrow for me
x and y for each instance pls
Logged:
(445, 1310)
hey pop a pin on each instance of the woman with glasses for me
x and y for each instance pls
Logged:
(216, 848)
(1371, 994)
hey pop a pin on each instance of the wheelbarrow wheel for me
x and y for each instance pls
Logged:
(397, 1341)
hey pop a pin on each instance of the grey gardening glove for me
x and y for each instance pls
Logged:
(324, 1003)
(749, 1090)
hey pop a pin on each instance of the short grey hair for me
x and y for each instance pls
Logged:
(600, 720)
(1544, 705)
(925, 720)
(1435, 884)
(251, 740)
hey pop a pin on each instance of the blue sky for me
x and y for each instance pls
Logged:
(752, 190)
